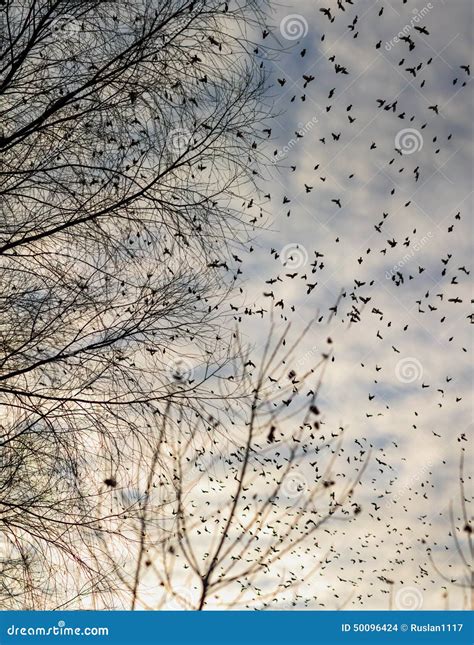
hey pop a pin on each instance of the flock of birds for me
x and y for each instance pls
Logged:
(394, 303)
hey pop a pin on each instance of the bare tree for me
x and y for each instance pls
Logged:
(129, 139)
(142, 446)
(252, 491)
(462, 576)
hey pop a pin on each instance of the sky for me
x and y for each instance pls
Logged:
(363, 236)
(400, 239)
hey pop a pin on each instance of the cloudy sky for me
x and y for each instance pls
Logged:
(389, 140)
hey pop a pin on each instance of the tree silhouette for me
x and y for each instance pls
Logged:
(234, 517)
(128, 141)
(461, 575)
